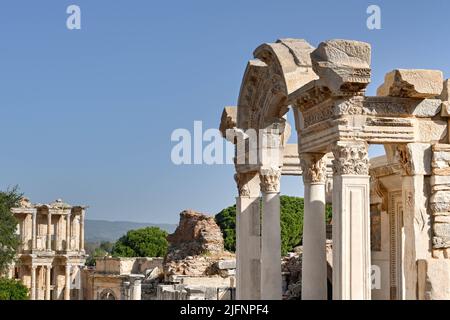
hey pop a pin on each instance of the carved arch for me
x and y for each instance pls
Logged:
(278, 69)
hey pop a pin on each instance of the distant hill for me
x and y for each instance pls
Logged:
(101, 230)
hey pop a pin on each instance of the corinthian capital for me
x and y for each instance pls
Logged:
(313, 167)
(270, 180)
(351, 157)
(247, 184)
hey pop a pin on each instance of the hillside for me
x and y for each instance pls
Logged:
(101, 230)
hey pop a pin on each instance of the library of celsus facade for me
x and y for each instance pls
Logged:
(391, 214)
(51, 256)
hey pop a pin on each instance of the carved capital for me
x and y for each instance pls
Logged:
(350, 157)
(247, 184)
(270, 180)
(313, 167)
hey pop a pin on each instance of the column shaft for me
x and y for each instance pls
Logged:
(314, 262)
(49, 231)
(271, 280)
(248, 237)
(248, 248)
(68, 232)
(351, 222)
(82, 230)
(48, 283)
(34, 231)
(33, 283)
(68, 283)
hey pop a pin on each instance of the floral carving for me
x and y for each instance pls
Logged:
(313, 167)
(270, 180)
(351, 158)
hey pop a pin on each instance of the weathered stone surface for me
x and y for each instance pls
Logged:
(427, 108)
(196, 234)
(434, 279)
(412, 83)
(226, 264)
(441, 159)
(343, 65)
(195, 247)
(430, 131)
(228, 120)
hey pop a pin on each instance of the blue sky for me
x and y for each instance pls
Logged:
(86, 115)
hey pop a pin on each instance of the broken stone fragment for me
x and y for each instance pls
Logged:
(343, 65)
(412, 83)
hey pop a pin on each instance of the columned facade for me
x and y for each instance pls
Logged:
(48, 249)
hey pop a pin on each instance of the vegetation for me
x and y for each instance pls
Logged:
(98, 250)
(12, 290)
(9, 241)
(146, 242)
(291, 224)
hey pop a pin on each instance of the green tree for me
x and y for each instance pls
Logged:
(291, 223)
(94, 254)
(12, 290)
(9, 241)
(146, 242)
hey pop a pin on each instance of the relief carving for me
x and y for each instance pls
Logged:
(350, 158)
(270, 180)
(313, 167)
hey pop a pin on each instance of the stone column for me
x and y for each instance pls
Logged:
(271, 235)
(314, 262)
(415, 159)
(68, 232)
(68, 283)
(48, 283)
(136, 290)
(83, 213)
(248, 237)
(49, 231)
(33, 283)
(351, 221)
(34, 230)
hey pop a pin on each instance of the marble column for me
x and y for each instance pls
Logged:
(68, 283)
(415, 159)
(82, 216)
(136, 290)
(271, 281)
(248, 237)
(34, 231)
(49, 231)
(351, 221)
(48, 283)
(314, 262)
(68, 232)
(33, 283)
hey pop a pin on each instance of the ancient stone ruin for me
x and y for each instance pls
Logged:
(391, 226)
(197, 265)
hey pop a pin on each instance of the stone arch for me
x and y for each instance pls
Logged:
(107, 294)
(277, 70)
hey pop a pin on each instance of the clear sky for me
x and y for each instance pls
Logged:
(87, 115)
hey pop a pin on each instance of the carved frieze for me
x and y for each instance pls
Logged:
(350, 157)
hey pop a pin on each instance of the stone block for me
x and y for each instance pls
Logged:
(441, 159)
(343, 65)
(440, 202)
(412, 83)
(434, 279)
(226, 264)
